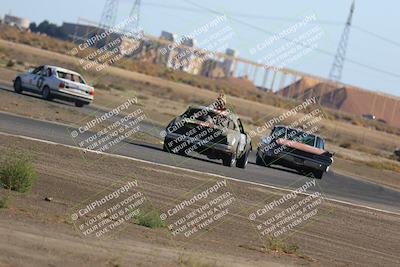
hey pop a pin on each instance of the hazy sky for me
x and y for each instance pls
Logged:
(378, 17)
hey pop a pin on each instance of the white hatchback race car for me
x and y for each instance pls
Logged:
(55, 82)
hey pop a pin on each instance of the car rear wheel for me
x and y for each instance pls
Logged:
(229, 160)
(164, 147)
(79, 104)
(46, 94)
(18, 86)
(266, 161)
(243, 160)
(259, 161)
(318, 174)
(171, 149)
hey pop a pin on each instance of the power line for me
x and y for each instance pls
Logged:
(244, 15)
(302, 44)
(376, 35)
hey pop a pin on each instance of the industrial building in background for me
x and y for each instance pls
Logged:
(20, 23)
(214, 67)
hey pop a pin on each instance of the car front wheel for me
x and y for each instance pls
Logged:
(46, 94)
(243, 160)
(18, 86)
(229, 160)
(318, 174)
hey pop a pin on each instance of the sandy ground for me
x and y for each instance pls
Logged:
(35, 232)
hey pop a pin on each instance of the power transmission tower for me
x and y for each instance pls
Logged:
(337, 66)
(109, 15)
(132, 42)
(132, 28)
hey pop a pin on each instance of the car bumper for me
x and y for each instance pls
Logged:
(71, 96)
(303, 162)
(223, 148)
(296, 161)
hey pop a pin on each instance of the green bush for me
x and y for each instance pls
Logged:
(17, 173)
(149, 219)
(5, 202)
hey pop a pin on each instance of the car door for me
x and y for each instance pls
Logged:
(30, 79)
(40, 78)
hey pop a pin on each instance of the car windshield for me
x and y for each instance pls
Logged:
(209, 116)
(71, 77)
(279, 132)
(301, 137)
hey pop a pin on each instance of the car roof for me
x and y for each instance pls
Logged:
(62, 69)
(226, 113)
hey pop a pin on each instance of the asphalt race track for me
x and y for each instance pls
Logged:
(332, 185)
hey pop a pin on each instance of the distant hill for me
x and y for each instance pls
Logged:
(346, 98)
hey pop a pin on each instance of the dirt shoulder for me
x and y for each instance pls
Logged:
(39, 231)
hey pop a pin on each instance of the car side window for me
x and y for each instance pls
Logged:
(240, 126)
(320, 143)
(81, 80)
(43, 72)
(38, 70)
(278, 132)
(231, 124)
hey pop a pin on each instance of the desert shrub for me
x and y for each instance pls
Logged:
(5, 202)
(17, 172)
(345, 145)
(10, 63)
(279, 245)
(149, 219)
(194, 262)
(101, 86)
